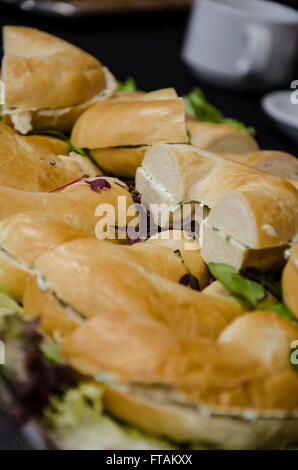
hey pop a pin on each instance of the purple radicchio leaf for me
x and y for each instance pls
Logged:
(99, 184)
(29, 375)
(190, 280)
(66, 185)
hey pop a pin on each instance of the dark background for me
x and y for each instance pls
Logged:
(146, 46)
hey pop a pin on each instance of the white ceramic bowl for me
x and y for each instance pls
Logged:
(282, 111)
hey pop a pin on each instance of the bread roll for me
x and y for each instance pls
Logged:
(122, 161)
(25, 236)
(76, 204)
(119, 131)
(290, 281)
(175, 174)
(220, 138)
(34, 61)
(275, 162)
(145, 278)
(27, 166)
(264, 336)
(130, 123)
(51, 144)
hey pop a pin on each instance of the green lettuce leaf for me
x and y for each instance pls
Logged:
(197, 106)
(128, 85)
(281, 310)
(270, 281)
(230, 277)
(61, 136)
(77, 420)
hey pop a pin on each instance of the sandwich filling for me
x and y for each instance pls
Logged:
(22, 118)
(158, 194)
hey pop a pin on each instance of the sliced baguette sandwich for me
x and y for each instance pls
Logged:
(261, 213)
(290, 281)
(220, 138)
(277, 163)
(29, 166)
(81, 279)
(52, 219)
(241, 383)
(49, 82)
(118, 133)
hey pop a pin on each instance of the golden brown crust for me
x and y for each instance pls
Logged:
(117, 123)
(74, 205)
(220, 138)
(120, 161)
(26, 236)
(50, 144)
(173, 240)
(290, 281)
(146, 282)
(13, 276)
(277, 163)
(52, 314)
(186, 424)
(35, 61)
(100, 345)
(264, 336)
(163, 94)
(59, 119)
(27, 166)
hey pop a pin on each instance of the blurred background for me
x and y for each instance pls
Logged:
(143, 39)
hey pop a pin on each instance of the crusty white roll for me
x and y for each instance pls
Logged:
(51, 144)
(277, 163)
(23, 238)
(201, 425)
(250, 209)
(162, 94)
(265, 336)
(220, 138)
(199, 385)
(290, 281)
(28, 166)
(54, 219)
(250, 228)
(85, 274)
(75, 204)
(120, 130)
(34, 61)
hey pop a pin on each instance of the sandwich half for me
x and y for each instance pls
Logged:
(50, 220)
(277, 163)
(236, 392)
(290, 281)
(118, 133)
(29, 166)
(35, 61)
(83, 278)
(179, 177)
(220, 138)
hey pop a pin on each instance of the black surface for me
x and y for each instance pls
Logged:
(148, 47)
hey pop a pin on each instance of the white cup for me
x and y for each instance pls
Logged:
(242, 43)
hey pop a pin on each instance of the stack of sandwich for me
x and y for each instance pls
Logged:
(185, 338)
